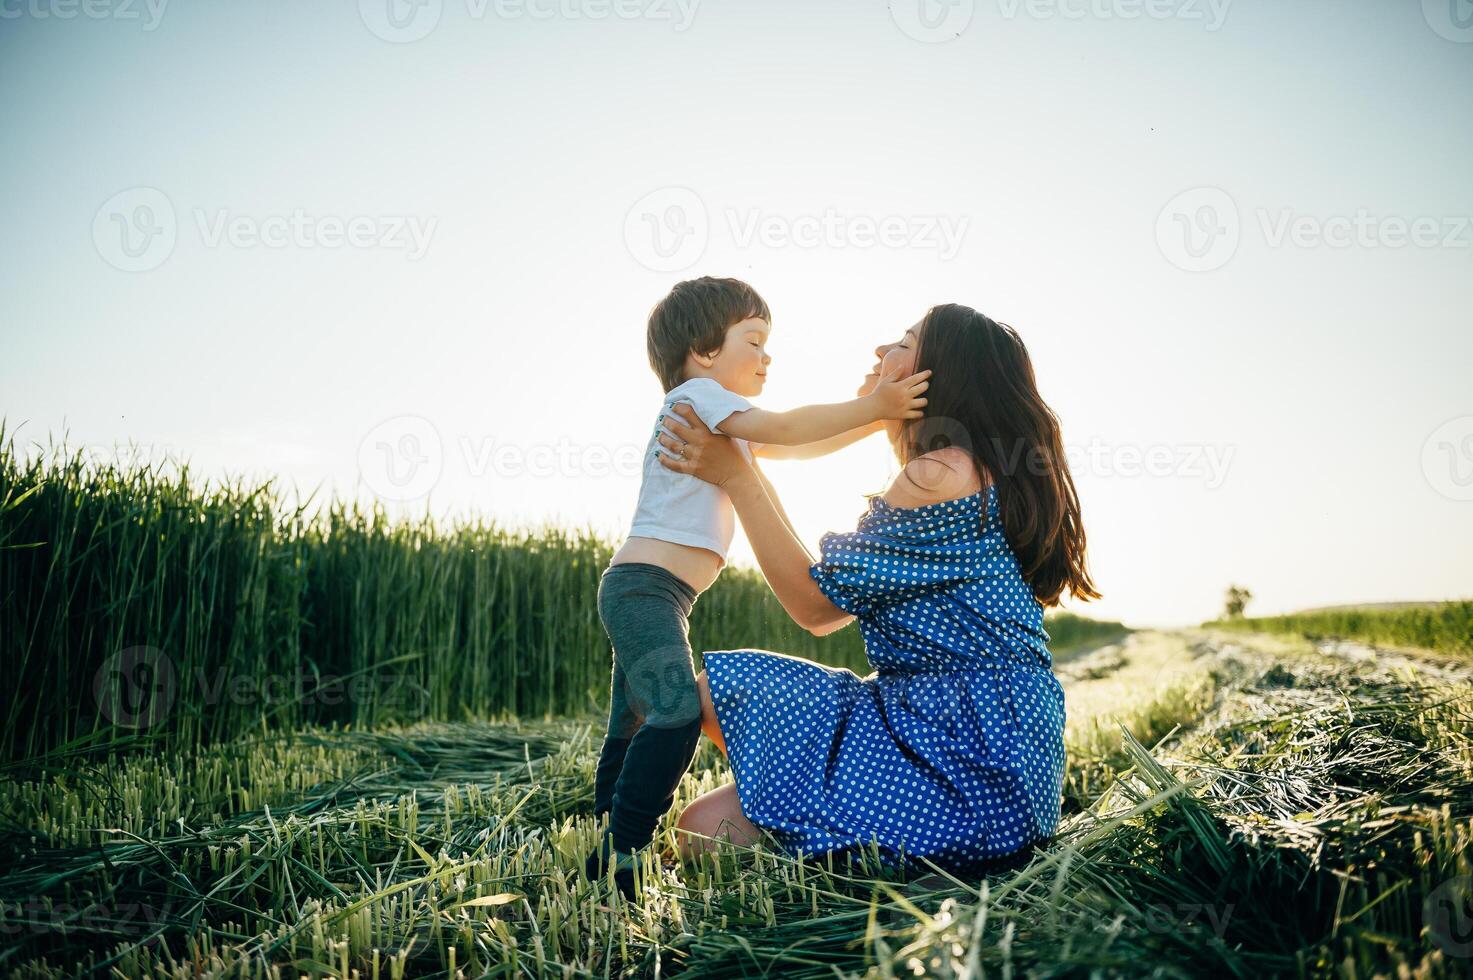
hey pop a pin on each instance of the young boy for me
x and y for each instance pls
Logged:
(707, 343)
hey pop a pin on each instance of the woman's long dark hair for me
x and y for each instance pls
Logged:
(983, 399)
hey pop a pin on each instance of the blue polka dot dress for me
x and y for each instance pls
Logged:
(953, 749)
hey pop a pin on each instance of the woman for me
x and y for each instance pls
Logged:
(953, 750)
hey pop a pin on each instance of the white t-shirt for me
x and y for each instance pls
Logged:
(679, 507)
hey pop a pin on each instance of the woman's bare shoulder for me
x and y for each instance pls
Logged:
(943, 474)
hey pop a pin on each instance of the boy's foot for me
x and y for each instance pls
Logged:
(596, 867)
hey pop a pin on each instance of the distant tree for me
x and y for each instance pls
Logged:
(1237, 598)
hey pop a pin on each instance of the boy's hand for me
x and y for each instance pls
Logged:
(895, 397)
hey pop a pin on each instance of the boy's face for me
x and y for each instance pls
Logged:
(741, 364)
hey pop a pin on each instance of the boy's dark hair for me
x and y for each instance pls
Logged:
(695, 317)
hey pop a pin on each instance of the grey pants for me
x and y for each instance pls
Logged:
(654, 710)
(645, 612)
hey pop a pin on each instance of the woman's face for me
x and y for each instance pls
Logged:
(898, 356)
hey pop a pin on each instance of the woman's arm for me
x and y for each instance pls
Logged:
(780, 553)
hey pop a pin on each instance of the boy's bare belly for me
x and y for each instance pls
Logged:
(697, 567)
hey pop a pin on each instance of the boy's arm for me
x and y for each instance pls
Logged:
(812, 450)
(893, 398)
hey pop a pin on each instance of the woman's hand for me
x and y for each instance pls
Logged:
(713, 457)
(704, 454)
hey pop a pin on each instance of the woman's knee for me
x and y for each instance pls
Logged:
(698, 821)
(717, 814)
(688, 824)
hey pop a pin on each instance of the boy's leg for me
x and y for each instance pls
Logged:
(623, 723)
(644, 611)
(663, 747)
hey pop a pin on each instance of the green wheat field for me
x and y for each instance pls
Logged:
(240, 741)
